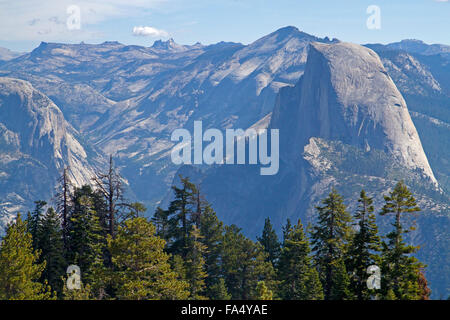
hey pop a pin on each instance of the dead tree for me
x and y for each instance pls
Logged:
(63, 201)
(109, 184)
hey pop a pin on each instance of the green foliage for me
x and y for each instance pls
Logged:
(161, 221)
(84, 293)
(400, 269)
(270, 243)
(180, 211)
(33, 221)
(244, 265)
(299, 279)
(330, 238)
(218, 291)
(364, 249)
(211, 230)
(19, 267)
(195, 265)
(190, 254)
(52, 250)
(141, 268)
(86, 240)
(263, 292)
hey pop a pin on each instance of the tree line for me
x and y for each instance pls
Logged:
(186, 252)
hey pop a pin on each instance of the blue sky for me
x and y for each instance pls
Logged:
(25, 23)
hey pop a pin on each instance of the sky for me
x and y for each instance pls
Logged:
(25, 23)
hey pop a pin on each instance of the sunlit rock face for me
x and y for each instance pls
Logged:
(347, 95)
(36, 143)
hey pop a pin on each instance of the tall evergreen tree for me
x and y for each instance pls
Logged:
(364, 248)
(286, 229)
(33, 221)
(142, 270)
(161, 221)
(270, 243)
(85, 237)
(299, 279)
(19, 267)
(330, 238)
(51, 245)
(211, 230)
(400, 269)
(180, 213)
(218, 291)
(195, 265)
(244, 265)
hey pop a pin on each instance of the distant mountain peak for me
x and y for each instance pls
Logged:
(287, 29)
(115, 43)
(6, 54)
(170, 45)
(290, 31)
(412, 41)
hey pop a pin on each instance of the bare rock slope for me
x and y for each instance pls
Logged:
(347, 95)
(36, 143)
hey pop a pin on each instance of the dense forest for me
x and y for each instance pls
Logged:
(185, 252)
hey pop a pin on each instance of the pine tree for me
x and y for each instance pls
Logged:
(244, 265)
(211, 230)
(142, 270)
(161, 221)
(195, 265)
(400, 269)
(364, 248)
(287, 229)
(135, 210)
(85, 237)
(330, 238)
(19, 267)
(270, 243)
(299, 279)
(219, 291)
(63, 201)
(33, 221)
(51, 245)
(180, 212)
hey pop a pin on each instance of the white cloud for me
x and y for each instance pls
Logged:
(46, 20)
(149, 31)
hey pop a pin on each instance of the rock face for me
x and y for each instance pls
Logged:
(343, 125)
(36, 143)
(347, 95)
(423, 78)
